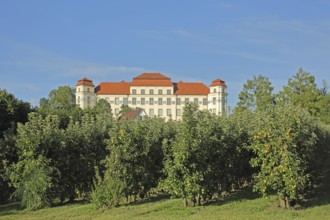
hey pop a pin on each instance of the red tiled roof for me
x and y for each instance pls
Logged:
(85, 82)
(191, 88)
(151, 76)
(113, 88)
(218, 82)
(131, 114)
(151, 79)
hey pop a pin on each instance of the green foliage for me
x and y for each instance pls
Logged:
(183, 175)
(61, 98)
(34, 174)
(287, 153)
(207, 155)
(83, 149)
(301, 91)
(108, 191)
(124, 109)
(61, 102)
(12, 111)
(134, 163)
(325, 104)
(8, 155)
(32, 179)
(102, 107)
(236, 132)
(256, 94)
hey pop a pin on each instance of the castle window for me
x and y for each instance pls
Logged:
(116, 101)
(133, 91)
(117, 111)
(134, 101)
(151, 112)
(160, 101)
(151, 91)
(178, 112)
(168, 112)
(168, 92)
(196, 101)
(160, 112)
(178, 101)
(214, 101)
(143, 92)
(168, 101)
(186, 100)
(214, 90)
(204, 101)
(160, 92)
(143, 101)
(151, 101)
(125, 101)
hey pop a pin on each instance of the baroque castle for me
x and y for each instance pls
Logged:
(156, 94)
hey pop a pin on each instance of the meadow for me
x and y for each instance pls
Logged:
(240, 205)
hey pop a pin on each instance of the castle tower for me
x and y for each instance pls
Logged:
(218, 97)
(85, 95)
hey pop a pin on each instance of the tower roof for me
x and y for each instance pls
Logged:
(218, 82)
(85, 82)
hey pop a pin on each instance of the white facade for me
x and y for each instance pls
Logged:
(165, 101)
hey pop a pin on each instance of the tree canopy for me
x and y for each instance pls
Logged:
(256, 94)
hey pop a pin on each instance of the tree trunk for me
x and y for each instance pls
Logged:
(287, 202)
(193, 201)
(185, 203)
(281, 201)
(198, 199)
(284, 201)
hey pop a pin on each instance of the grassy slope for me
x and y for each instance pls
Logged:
(243, 205)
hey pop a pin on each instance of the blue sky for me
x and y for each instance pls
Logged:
(45, 44)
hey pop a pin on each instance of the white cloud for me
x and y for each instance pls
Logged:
(25, 56)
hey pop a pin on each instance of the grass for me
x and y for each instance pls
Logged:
(242, 205)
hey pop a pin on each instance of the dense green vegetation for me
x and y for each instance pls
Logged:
(275, 144)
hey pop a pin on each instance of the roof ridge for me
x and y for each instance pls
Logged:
(151, 76)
